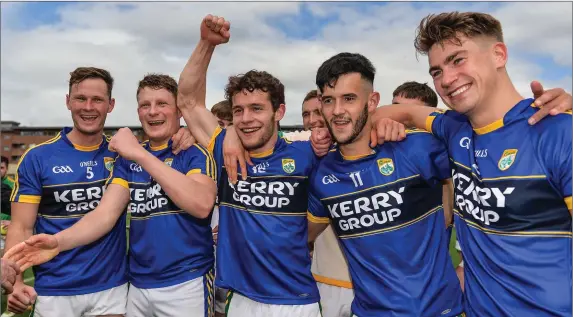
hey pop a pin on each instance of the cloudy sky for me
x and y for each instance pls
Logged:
(42, 42)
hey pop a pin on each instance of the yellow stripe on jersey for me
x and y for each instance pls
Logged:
(87, 148)
(568, 202)
(157, 214)
(549, 234)
(332, 281)
(369, 188)
(159, 147)
(263, 154)
(315, 219)
(120, 182)
(490, 127)
(210, 281)
(411, 131)
(194, 171)
(272, 213)
(429, 122)
(33, 199)
(16, 181)
(210, 168)
(211, 145)
(76, 183)
(356, 157)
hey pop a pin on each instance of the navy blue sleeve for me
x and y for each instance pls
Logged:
(430, 157)
(444, 124)
(216, 149)
(554, 147)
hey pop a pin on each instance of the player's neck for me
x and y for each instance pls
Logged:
(496, 105)
(267, 148)
(84, 140)
(360, 147)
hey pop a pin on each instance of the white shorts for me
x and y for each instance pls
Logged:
(335, 300)
(109, 302)
(241, 306)
(220, 299)
(191, 298)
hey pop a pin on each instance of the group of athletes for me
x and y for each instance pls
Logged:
(375, 191)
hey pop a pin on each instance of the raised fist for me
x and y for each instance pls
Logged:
(215, 30)
(126, 144)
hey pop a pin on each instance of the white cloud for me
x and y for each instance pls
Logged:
(137, 38)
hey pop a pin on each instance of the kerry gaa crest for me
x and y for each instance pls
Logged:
(385, 166)
(507, 159)
(108, 163)
(288, 165)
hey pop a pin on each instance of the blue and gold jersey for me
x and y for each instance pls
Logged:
(513, 191)
(167, 246)
(67, 181)
(262, 250)
(386, 209)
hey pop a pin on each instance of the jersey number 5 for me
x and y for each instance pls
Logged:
(89, 173)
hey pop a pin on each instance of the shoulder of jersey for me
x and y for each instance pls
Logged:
(44, 147)
(195, 149)
(451, 114)
(298, 144)
(554, 124)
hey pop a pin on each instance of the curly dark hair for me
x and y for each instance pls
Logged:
(256, 80)
(342, 64)
(158, 81)
(438, 28)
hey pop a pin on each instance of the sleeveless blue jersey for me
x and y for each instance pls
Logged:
(67, 181)
(386, 209)
(262, 250)
(167, 246)
(513, 192)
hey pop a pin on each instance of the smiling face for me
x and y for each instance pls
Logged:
(255, 120)
(466, 75)
(312, 114)
(89, 103)
(346, 106)
(158, 114)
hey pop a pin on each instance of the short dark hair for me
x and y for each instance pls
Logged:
(4, 160)
(256, 80)
(82, 73)
(158, 81)
(438, 28)
(416, 90)
(342, 64)
(222, 110)
(311, 95)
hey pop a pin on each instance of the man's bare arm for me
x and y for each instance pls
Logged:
(408, 115)
(179, 186)
(193, 79)
(21, 225)
(98, 222)
(191, 94)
